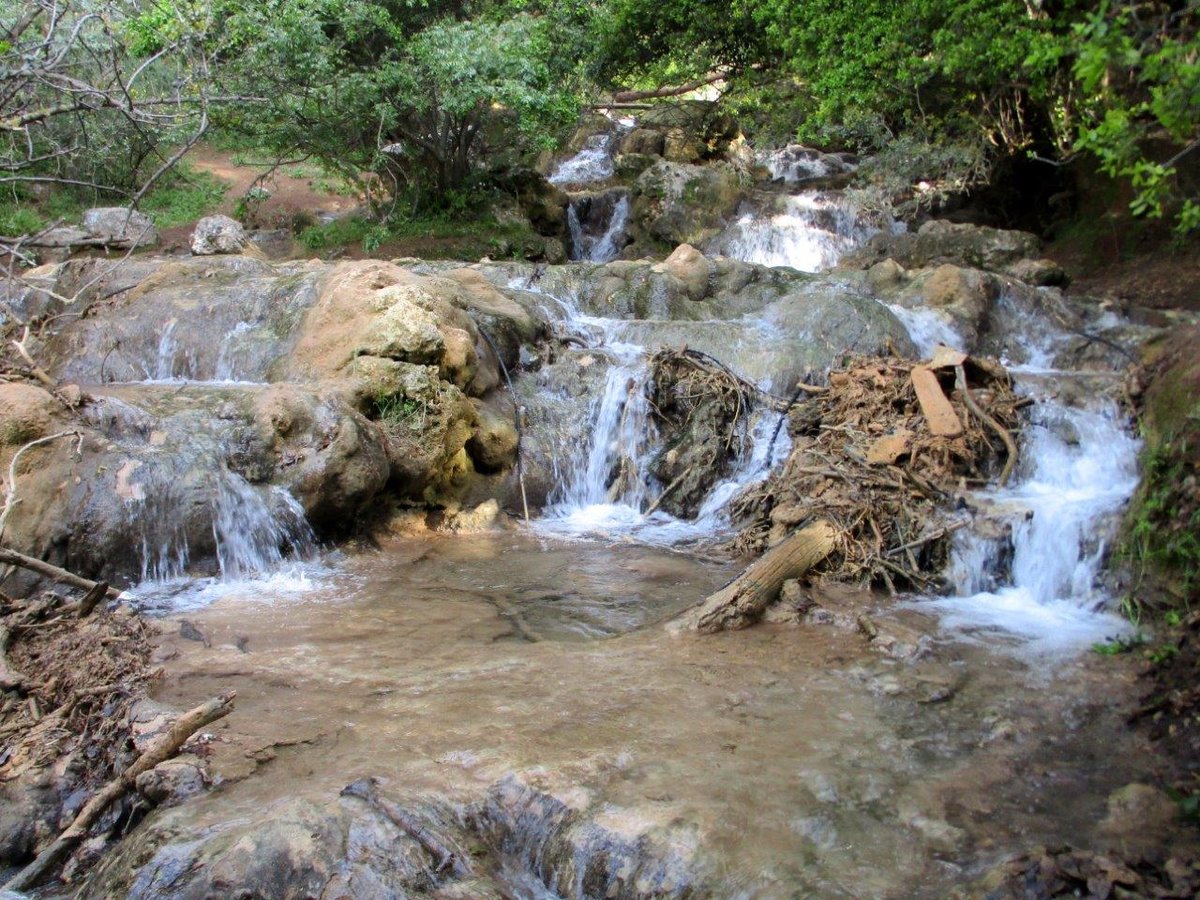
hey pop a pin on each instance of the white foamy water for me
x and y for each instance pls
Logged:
(604, 247)
(812, 232)
(1080, 470)
(927, 328)
(594, 162)
(1037, 581)
(257, 531)
(608, 490)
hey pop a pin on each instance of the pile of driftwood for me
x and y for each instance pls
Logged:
(867, 492)
(69, 674)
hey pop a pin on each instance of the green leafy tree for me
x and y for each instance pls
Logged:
(365, 86)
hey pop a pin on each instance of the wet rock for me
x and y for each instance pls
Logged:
(473, 521)
(493, 445)
(119, 226)
(939, 241)
(886, 276)
(1039, 272)
(1140, 818)
(578, 852)
(218, 234)
(692, 269)
(678, 203)
(173, 781)
(644, 141)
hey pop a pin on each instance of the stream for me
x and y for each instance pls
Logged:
(476, 672)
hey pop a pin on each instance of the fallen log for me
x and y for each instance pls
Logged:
(741, 602)
(13, 558)
(160, 751)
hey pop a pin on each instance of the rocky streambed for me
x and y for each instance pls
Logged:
(461, 703)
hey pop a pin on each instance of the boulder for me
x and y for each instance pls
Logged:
(1039, 272)
(26, 412)
(691, 267)
(218, 234)
(644, 141)
(675, 203)
(118, 226)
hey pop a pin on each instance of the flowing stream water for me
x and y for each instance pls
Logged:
(761, 764)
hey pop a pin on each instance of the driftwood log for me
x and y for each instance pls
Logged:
(742, 602)
(160, 751)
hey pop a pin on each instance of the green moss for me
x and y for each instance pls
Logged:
(178, 199)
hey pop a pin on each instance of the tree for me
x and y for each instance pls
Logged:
(357, 86)
(101, 94)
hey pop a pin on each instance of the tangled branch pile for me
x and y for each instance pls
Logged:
(879, 454)
(702, 410)
(68, 684)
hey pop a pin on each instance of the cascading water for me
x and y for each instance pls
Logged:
(1032, 566)
(594, 162)
(608, 488)
(1037, 579)
(606, 245)
(255, 530)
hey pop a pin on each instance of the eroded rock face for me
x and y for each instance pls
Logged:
(939, 241)
(521, 832)
(207, 379)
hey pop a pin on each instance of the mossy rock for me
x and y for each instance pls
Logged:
(1162, 528)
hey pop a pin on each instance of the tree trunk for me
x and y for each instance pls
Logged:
(741, 602)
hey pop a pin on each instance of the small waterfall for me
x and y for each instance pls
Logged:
(164, 363)
(602, 215)
(811, 232)
(926, 329)
(612, 472)
(607, 488)
(1031, 566)
(255, 529)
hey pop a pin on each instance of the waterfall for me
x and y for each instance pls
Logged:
(1031, 567)
(607, 488)
(599, 239)
(255, 528)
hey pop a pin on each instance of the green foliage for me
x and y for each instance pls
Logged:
(400, 414)
(184, 197)
(1139, 76)
(421, 100)
(1120, 645)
